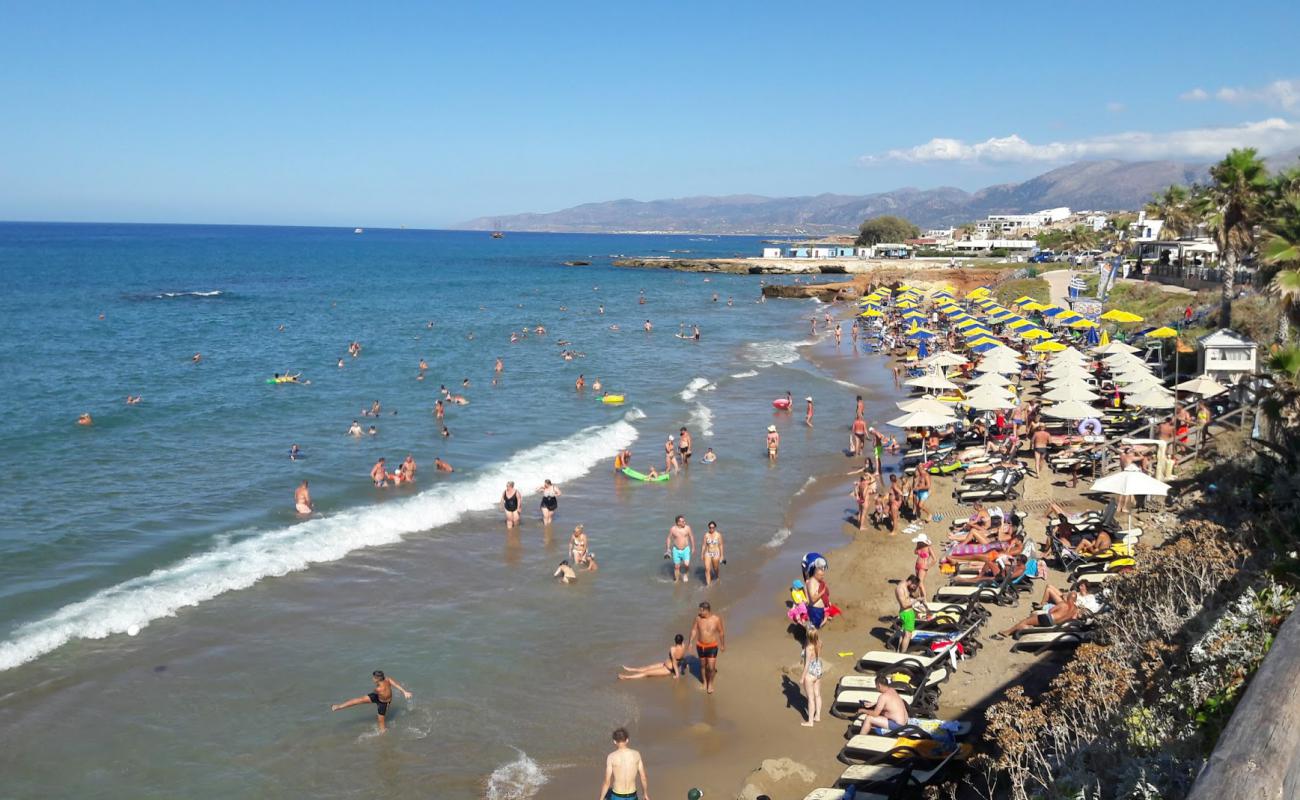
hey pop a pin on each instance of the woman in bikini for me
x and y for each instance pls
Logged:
(510, 503)
(713, 553)
(579, 554)
(670, 666)
(550, 500)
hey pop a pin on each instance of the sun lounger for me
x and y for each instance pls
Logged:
(934, 675)
(838, 794)
(874, 660)
(957, 728)
(1033, 642)
(872, 749)
(848, 703)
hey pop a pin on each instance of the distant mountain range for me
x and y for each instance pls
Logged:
(1099, 185)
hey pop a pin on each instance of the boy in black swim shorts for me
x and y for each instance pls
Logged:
(381, 697)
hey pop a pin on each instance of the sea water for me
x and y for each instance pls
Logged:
(170, 626)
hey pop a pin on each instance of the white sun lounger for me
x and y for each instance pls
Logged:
(937, 676)
(838, 794)
(946, 593)
(888, 658)
(1045, 640)
(873, 773)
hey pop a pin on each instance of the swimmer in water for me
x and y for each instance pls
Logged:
(355, 430)
(439, 410)
(648, 326)
(442, 466)
(132, 399)
(709, 456)
(196, 358)
(446, 434)
(500, 365)
(85, 419)
(302, 499)
(294, 452)
(379, 474)
(372, 431)
(580, 383)
(565, 573)
(595, 385)
(381, 697)
(550, 500)
(424, 365)
(695, 332)
(807, 420)
(340, 363)
(409, 467)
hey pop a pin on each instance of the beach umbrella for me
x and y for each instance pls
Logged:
(996, 392)
(1070, 409)
(871, 312)
(1048, 347)
(920, 333)
(1083, 323)
(1160, 333)
(1149, 397)
(927, 404)
(984, 346)
(931, 381)
(1021, 300)
(1034, 306)
(990, 403)
(1094, 335)
(1035, 333)
(1115, 347)
(1071, 391)
(944, 359)
(1130, 482)
(1071, 353)
(976, 294)
(1066, 317)
(1203, 385)
(1066, 369)
(989, 379)
(921, 419)
(998, 366)
(980, 341)
(1052, 311)
(1116, 315)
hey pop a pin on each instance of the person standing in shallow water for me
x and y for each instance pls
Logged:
(381, 697)
(622, 768)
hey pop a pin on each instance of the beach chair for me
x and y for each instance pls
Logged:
(959, 728)
(849, 703)
(1004, 488)
(1000, 592)
(1034, 641)
(872, 749)
(908, 675)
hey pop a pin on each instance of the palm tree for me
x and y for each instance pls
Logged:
(1232, 204)
(1173, 206)
(1282, 250)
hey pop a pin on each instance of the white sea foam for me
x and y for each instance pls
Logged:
(213, 293)
(811, 480)
(778, 538)
(768, 354)
(693, 388)
(230, 566)
(518, 780)
(702, 419)
(749, 373)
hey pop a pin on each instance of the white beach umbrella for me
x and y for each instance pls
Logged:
(998, 367)
(1070, 409)
(1069, 353)
(1149, 398)
(944, 359)
(920, 419)
(926, 403)
(1130, 482)
(1115, 346)
(989, 379)
(932, 381)
(1137, 378)
(1071, 391)
(1068, 371)
(990, 402)
(1203, 385)
(1122, 359)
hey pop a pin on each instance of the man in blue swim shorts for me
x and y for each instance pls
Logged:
(678, 546)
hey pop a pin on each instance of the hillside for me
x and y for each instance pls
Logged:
(1082, 185)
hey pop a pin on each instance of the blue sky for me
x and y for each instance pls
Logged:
(425, 115)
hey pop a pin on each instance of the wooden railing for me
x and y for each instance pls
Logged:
(1258, 753)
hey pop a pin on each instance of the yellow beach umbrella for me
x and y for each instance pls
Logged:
(871, 312)
(1020, 301)
(1161, 333)
(982, 340)
(1036, 333)
(976, 294)
(1048, 347)
(1033, 306)
(1083, 323)
(1116, 315)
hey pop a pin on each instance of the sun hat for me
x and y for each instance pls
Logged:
(771, 429)
(808, 398)
(921, 537)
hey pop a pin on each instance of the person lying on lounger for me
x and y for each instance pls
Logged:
(889, 707)
(1057, 608)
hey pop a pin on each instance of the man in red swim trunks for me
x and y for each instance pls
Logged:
(710, 638)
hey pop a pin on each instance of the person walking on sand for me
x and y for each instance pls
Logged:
(510, 504)
(895, 504)
(921, 492)
(1039, 441)
(808, 415)
(709, 636)
(622, 768)
(924, 559)
(811, 678)
(678, 546)
(670, 667)
(877, 446)
(550, 500)
(713, 552)
(381, 697)
(302, 499)
(773, 442)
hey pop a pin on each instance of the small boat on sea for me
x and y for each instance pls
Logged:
(498, 235)
(359, 230)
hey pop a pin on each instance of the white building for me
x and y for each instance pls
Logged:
(773, 252)
(1015, 223)
(940, 235)
(1226, 355)
(1096, 221)
(1145, 230)
(973, 245)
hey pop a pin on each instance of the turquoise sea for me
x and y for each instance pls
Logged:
(170, 627)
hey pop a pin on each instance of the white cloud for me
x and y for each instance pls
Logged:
(1115, 108)
(1195, 95)
(1269, 136)
(1283, 94)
